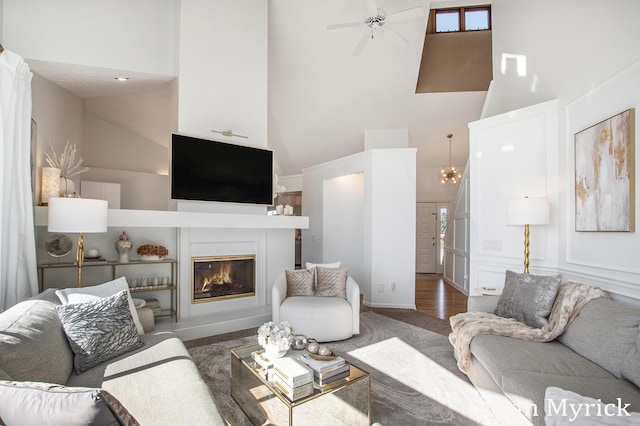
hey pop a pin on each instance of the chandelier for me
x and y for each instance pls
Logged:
(450, 175)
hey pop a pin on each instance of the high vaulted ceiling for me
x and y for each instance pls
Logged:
(321, 98)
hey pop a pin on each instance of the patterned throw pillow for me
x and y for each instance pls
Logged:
(99, 330)
(300, 282)
(94, 292)
(332, 282)
(528, 298)
(38, 403)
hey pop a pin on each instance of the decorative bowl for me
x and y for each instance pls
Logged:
(323, 357)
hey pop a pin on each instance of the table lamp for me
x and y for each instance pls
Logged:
(81, 215)
(527, 211)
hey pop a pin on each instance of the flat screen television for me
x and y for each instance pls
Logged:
(207, 170)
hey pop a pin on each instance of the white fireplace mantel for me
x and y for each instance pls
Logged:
(180, 219)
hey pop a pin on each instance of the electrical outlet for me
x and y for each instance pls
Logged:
(393, 287)
(380, 288)
(492, 245)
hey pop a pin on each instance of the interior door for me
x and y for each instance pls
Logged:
(426, 247)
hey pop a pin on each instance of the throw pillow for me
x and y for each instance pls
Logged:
(99, 330)
(324, 265)
(332, 282)
(85, 294)
(528, 298)
(558, 404)
(300, 282)
(37, 403)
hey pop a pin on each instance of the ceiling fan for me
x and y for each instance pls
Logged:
(376, 22)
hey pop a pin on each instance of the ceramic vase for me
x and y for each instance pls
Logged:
(273, 352)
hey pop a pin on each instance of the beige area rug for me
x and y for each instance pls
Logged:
(415, 380)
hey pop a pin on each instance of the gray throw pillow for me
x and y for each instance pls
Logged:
(300, 282)
(37, 403)
(99, 330)
(85, 294)
(528, 298)
(332, 282)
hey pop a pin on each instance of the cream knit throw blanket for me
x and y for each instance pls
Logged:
(571, 298)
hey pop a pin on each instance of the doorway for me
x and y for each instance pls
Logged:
(431, 225)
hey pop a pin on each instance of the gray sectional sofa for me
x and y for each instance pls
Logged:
(598, 357)
(158, 384)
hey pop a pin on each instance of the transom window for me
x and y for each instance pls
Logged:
(475, 18)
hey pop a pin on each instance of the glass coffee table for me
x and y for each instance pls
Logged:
(346, 401)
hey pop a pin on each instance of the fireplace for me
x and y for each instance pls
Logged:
(222, 277)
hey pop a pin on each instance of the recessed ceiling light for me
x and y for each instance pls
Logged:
(122, 78)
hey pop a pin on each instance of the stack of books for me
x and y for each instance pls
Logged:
(261, 359)
(154, 305)
(325, 372)
(293, 379)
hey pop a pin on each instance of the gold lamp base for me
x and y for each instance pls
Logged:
(80, 258)
(526, 249)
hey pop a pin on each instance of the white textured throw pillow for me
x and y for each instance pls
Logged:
(324, 265)
(86, 294)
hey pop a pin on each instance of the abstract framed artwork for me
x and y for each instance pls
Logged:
(605, 175)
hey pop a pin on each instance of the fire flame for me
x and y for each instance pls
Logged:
(223, 276)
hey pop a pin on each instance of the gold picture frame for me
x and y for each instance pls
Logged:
(605, 175)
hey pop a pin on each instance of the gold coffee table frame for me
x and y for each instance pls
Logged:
(345, 401)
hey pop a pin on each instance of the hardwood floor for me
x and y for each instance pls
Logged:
(436, 298)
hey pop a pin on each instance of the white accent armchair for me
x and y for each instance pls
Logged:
(326, 319)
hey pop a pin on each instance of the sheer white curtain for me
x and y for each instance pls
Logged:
(18, 268)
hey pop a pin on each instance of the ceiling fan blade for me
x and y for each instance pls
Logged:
(345, 25)
(416, 12)
(394, 37)
(372, 7)
(361, 44)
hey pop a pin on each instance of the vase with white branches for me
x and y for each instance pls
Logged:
(69, 166)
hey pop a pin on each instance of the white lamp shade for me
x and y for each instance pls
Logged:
(82, 215)
(528, 211)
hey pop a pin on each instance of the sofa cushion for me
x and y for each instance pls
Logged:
(300, 282)
(631, 364)
(528, 298)
(501, 355)
(331, 282)
(155, 379)
(33, 346)
(598, 413)
(85, 294)
(37, 403)
(99, 330)
(604, 332)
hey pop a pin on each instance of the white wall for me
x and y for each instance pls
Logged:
(586, 72)
(59, 117)
(131, 131)
(138, 191)
(607, 258)
(118, 34)
(569, 47)
(512, 155)
(343, 227)
(223, 69)
(388, 245)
